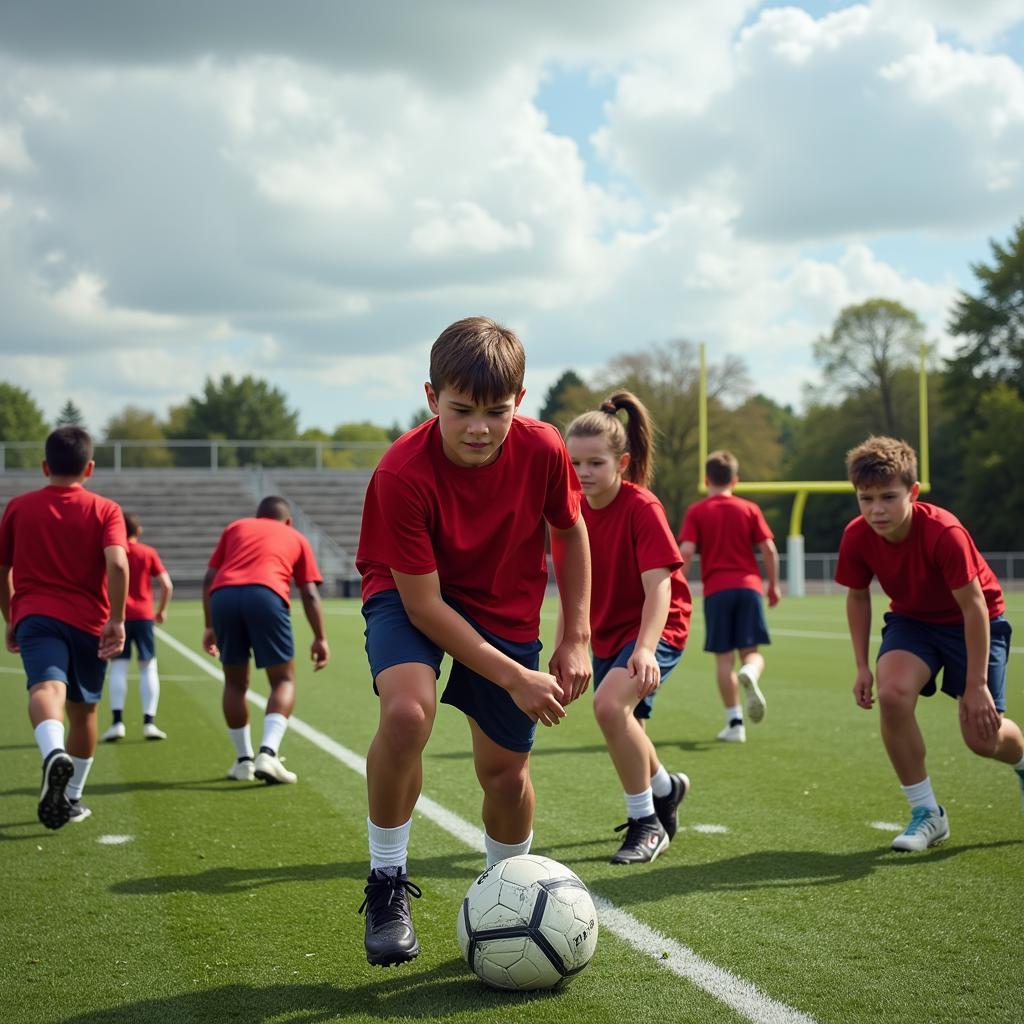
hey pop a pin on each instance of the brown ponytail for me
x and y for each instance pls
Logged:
(636, 437)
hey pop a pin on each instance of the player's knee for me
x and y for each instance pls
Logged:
(983, 746)
(406, 722)
(507, 783)
(608, 712)
(895, 700)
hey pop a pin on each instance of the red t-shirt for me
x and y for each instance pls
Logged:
(628, 537)
(143, 564)
(54, 539)
(265, 552)
(481, 528)
(920, 572)
(725, 529)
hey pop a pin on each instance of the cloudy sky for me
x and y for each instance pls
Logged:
(311, 191)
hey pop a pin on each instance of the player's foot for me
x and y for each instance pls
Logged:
(666, 807)
(390, 938)
(645, 839)
(243, 770)
(734, 732)
(753, 697)
(114, 733)
(151, 732)
(269, 768)
(926, 828)
(79, 812)
(54, 807)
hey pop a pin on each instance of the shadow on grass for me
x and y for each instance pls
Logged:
(542, 750)
(447, 989)
(217, 784)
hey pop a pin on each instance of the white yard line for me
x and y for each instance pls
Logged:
(735, 992)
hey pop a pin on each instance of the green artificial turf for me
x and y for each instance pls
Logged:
(237, 902)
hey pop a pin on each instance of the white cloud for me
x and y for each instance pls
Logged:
(13, 155)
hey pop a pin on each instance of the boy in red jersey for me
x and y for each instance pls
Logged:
(246, 600)
(63, 581)
(451, 554)
(640, 615)
(725, 530)
(946, 613)
(143, 564)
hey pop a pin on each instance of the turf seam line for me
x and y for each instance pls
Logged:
(741, 995)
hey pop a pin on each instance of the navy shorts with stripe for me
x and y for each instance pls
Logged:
(733, 620)
(391, 639)
(51, 649)
(665, 655)
(252, 617)
(140, 633)
(942, 647)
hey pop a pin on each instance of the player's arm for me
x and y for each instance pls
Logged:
(642, 664)
(570, 662)
(535, 693)
(770, 556)
(112, 635)
(977, 709)
(687, 549)
(319, 652)
(6, 593)
(166, 589)
(858, 618)
(209, 637)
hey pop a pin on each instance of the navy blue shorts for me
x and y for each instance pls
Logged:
(253, 617)
(941, 646)
(665, 655)
(391, 639)
(140, 633)
(51, 649)
(734, 620)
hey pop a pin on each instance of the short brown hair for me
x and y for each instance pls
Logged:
(721, 468)
(480, 357)
(273, 507)
(68, 451)
(879, 460)
(132, 524)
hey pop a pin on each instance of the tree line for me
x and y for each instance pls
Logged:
(869, 385)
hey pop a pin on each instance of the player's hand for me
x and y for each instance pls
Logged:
(862, 689)
(11, 639)
(774, 596)
(210, 642)
(319, 653)
(978, 712)
(537, 694)
(643, 667)
(160, 617)
(570, 665)
(111, 640)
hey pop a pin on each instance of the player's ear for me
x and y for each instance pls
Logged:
(89, 467)
(623, 462)
(915, 491)
(431, 397)
(46, 467)
(519, 400)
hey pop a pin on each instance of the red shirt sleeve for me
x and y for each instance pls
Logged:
(955, 559)
(157, 567)
(114, 532)
(851, 570)
(689, 531)
(562, 501)
(655, 546)
(7, 537)
(217, 558)
(397, 521)
(759, 528)
(306, 569)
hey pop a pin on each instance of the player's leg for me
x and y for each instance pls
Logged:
(669, 789)
(729, 690)
(82, 735)
(118, 688)
(149, 680)
(751, 669)
(236, 716)
(275, 723)
(901, 675)
(750, 632)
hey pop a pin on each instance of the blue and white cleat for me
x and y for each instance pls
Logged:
(926, 828)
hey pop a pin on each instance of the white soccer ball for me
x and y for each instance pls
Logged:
(527, 923)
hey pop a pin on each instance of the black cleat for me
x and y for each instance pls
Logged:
(390, 938)
(79, 812)
(665, 807)
(645, 839)
(54, 806)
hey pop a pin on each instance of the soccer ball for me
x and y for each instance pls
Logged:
(526, 923)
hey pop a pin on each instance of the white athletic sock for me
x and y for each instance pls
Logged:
(274, 726)
(81, 773)
(920, 795)
(731, 714)
(500, 851)
(49, 736)
(149, 687)
(242, 741)
(389, 847)
(118, 683)
(640, 805)
(661, 782)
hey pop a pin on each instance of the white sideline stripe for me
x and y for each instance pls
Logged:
(886, 826)
(114, 840)
(710, 830)
(742, 996)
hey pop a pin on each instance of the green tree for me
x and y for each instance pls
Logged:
(361, 433)
(70, 415)
(21, 420)
(560, 396)
(135, 424)
(869, 343)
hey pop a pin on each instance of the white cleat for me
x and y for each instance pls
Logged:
(752, 694)
(733, 733)
(270, 769)
(926, 828)
(114, 733)
(242, 771)
(151, 732)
